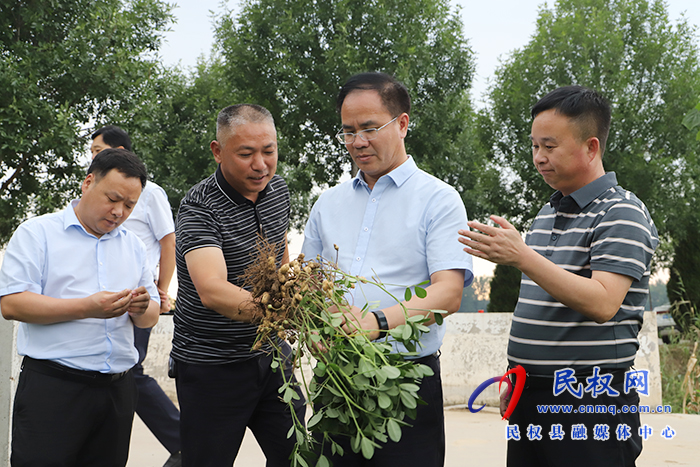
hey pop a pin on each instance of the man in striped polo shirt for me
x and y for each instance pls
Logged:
(222, 384)
(585, 264)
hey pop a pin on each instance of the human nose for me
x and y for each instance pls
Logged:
(360, 142)
(118, 210)
(258, 162)
(537, 156)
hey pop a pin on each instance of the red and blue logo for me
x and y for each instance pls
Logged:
(519, 373)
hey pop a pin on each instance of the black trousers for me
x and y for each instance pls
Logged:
(59, 422)
(154, 407)
(422, 444)
(567, 451)
(218, 402)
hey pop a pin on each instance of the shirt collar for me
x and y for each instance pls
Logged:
(399, 175)
(586, 194)
(234, 195)
(71, 219)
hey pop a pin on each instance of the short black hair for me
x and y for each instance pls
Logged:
(587, 109)
(113, 136)
(123, 160)
(393, 93)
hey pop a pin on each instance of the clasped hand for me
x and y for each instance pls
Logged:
(112, 304)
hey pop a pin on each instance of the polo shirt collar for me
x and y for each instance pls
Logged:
(71, 219)
(399, 175)
(231, 192)
(585, 195)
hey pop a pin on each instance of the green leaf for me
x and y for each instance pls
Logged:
(407, 294)
(300, 460)
(367, 448)
(384, 400)
(692, 119)
(275, 364)
(407, 332)
(394, 430)
(409, 387)
(421, 292)
(289, 395)
(315, 418)
(323, 461)
(408, 400)
(391, 372)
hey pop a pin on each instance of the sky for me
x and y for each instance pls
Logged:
(494, 29)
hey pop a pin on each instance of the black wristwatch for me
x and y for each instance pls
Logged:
(383, 323)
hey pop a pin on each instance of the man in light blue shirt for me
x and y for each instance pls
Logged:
(398, 223)
(78, 283)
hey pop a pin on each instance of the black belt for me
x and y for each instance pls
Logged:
(51, 368)
(547, 382)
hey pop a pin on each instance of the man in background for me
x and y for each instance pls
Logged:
(152, 221)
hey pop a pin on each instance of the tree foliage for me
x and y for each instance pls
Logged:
(630, 52)
(62, 63)
(647, 68)
(505, 288)
(292, 56)
(171, 122)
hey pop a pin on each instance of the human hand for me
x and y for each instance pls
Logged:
(500, 245)
(357, 320)
(504, 400)
(105, 305)
(164, 301)
(140, 299)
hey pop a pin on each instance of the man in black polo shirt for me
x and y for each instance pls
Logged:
(585, 264)
(222, 384)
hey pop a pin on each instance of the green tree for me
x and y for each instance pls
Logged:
(505, 288)
(171, 121)
(292, 58)
(62, 63)
(631, 52)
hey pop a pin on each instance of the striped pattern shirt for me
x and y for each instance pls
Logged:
(214, 214)
(600, 227)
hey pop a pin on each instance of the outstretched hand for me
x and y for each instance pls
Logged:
(500, 245)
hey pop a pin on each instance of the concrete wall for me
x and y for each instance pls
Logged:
(474, 350)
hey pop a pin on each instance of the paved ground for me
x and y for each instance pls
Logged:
(473, 439)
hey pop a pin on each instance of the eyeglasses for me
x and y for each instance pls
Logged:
(365, 135)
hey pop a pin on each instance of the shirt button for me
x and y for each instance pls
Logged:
(366, 229)
(554, 236)
(357, 259)
(374, 200)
